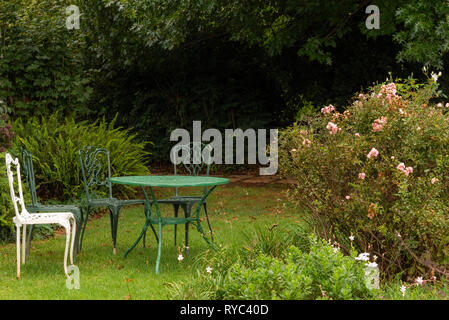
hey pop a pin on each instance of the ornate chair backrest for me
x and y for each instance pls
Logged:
(96, 169)
(9, 160)
(27, 161)
(195, 156)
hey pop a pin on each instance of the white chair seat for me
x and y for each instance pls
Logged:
(43, 218)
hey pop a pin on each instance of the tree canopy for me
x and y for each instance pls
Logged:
(161, 64)
(312, 27)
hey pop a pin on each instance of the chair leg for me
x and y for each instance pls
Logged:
(83, 227)
(115, 211)
(74, 231)
(144, 240)
(28, 245)
(66, 225)
(18, 250)
(24, 240)
(187, 208)
(176, 208)
(111, 218)
(79, 221)
(208, 221)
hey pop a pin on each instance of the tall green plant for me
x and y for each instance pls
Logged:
(54, 144)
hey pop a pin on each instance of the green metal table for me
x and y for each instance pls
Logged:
(169, 182)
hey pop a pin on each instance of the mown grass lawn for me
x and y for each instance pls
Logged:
(235, 211)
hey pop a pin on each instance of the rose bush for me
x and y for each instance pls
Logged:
(376, 177)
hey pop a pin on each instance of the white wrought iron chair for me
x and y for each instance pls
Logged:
(24, 218)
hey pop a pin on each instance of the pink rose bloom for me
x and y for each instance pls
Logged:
(328, 109)
(372, 153)
(357, 134)
(378, 124)
(333, 128)
(377, 127)
(306, 142)
(440, 105)
(362, 175)
(348, 197)
(388, 91)
(406, 171)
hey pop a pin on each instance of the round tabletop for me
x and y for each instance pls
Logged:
(170, 181)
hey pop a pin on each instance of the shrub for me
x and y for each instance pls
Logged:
(6, 207)
(314, 270)
(378, 172)
(41, 60)
(320, 273)
(55, 144)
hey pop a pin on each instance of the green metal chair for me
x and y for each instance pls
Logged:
(35, 206)
(193, 158)
(96, 171)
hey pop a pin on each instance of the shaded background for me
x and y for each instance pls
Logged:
(161, 64)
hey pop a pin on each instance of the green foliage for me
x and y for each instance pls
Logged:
(54, 144)
(161, 64)
(420, 27)
(394, 204)
(318, 274)
(6, 206)
(425, 35)
(274, 26)
(40, 61)
(6, 133)
(305, 268)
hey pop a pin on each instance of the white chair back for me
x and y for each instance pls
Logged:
(9, 160)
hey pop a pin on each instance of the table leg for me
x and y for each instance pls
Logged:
(145, 226)
(159, 248)
(158, 212)
(197, 222)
